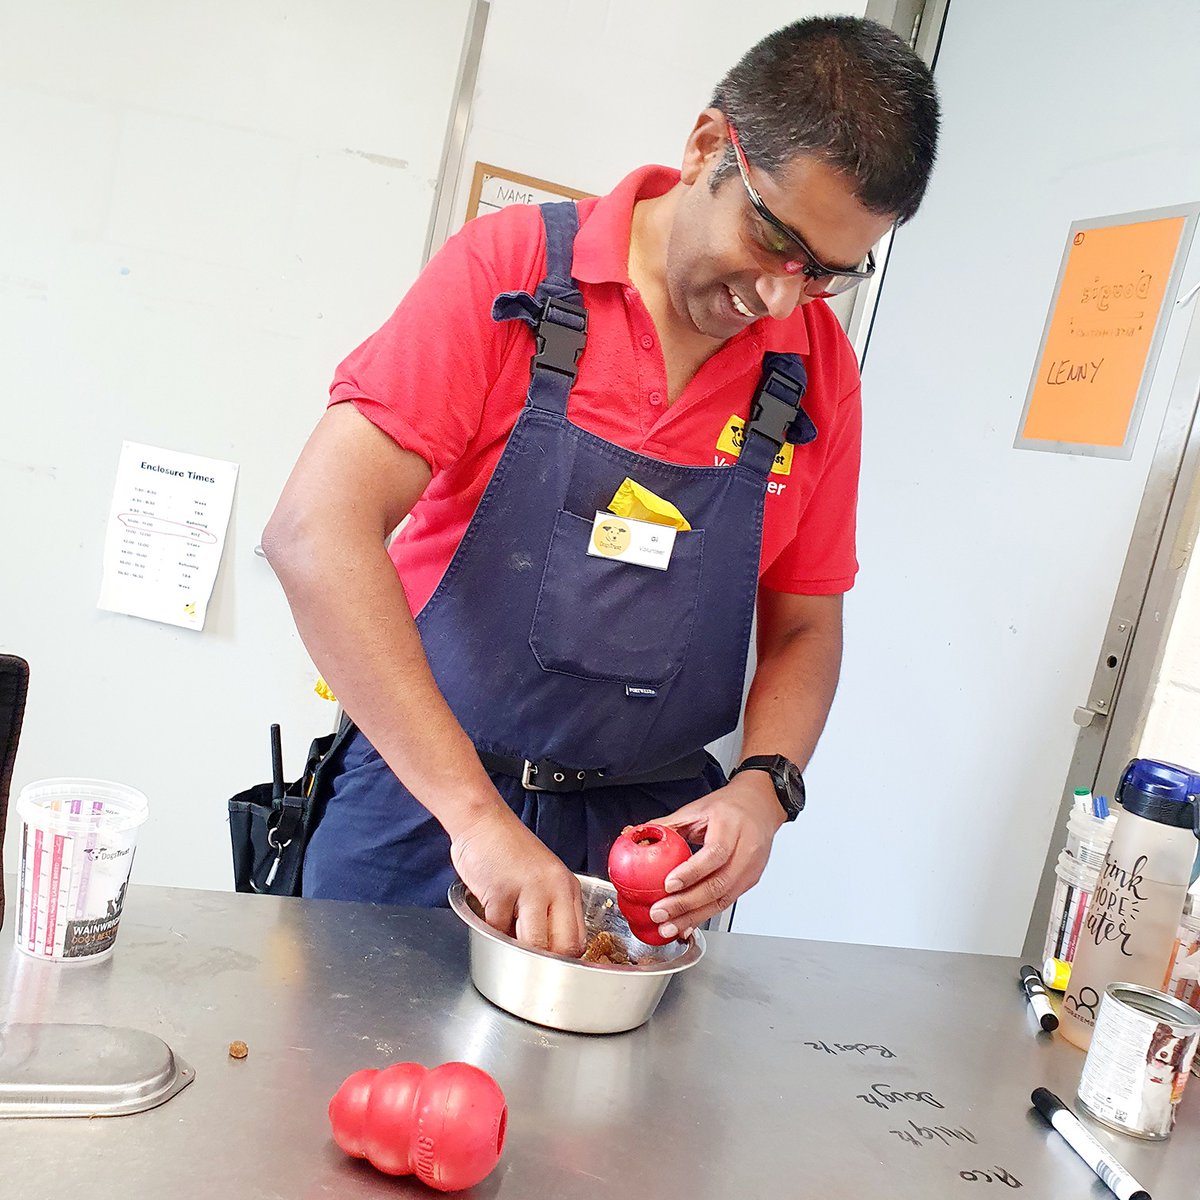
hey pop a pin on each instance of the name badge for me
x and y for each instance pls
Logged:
(639, 542)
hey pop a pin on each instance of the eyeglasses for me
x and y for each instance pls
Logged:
(833, 281)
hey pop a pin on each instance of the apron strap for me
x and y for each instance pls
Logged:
(555, 313)
(776, 415)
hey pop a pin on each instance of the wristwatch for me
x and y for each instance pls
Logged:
(785, 775)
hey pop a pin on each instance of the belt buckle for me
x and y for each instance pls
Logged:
(560, 775)
(528, 771)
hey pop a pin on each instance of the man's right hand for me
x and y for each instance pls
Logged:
(524, 888)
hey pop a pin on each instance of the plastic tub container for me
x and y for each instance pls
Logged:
(1073, 889)
(77, 849)
(1183, 974)
(1088, 837)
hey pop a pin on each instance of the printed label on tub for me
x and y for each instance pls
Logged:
(95, 935)
(72, 893)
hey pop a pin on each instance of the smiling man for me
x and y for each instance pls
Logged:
(518, 699)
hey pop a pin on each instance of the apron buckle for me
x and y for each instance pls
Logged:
(561, 335)
(771, 414)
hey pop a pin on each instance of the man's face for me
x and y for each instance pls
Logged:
(724, 266)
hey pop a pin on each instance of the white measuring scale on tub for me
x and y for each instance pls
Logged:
(77, 849)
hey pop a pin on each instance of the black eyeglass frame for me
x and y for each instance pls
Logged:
(838, 280)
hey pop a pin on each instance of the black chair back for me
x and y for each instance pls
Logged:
(14, 687)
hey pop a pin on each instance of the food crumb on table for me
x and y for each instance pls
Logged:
(238, 1049)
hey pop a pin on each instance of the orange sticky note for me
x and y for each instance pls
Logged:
(1100, 331)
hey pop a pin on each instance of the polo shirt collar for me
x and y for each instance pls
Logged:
(602, 243)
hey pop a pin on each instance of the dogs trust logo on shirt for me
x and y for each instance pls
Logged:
(733, 438)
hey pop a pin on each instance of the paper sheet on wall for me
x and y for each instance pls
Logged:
(165, 534)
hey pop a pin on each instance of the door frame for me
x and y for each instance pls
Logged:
(457, 126)
(1114, 713)
(921, 23)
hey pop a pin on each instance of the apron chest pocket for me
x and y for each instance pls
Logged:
(599, 618)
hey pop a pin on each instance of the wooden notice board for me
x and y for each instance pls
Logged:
(493, 188)
(1106, 321)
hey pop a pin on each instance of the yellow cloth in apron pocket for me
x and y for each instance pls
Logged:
(641, 504)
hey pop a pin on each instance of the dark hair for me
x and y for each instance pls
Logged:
(847, 91)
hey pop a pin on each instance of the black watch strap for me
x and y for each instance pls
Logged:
(785, 775)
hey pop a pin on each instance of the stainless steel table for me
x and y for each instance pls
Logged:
(750, 1081)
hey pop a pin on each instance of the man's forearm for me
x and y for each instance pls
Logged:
(792, 691)
(353, 617)
(800, 650)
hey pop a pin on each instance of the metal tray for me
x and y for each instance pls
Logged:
(85, 1071)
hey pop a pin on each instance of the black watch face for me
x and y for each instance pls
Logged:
(794, 782)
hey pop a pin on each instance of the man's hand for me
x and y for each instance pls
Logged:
(525, 889)
(737, 824)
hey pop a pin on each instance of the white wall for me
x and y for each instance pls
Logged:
(1172, 728)
(582, 91)
(203, 208)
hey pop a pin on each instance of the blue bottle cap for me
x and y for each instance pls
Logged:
(1160, 791)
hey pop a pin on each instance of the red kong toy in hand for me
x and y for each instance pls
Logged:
(638, 865)
(445, 1126)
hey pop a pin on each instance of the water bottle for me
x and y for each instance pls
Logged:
(1133, 915)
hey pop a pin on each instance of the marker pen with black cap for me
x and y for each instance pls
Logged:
(1068, 1126)
(1035, 989)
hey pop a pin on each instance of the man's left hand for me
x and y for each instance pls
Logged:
(737, 824)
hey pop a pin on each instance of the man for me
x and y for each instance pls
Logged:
(670, 333)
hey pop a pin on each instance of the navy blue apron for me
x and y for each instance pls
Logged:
(562, 666)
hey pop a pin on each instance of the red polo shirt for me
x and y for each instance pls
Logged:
(447, 382)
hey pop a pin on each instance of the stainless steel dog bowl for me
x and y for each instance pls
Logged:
(565, 993)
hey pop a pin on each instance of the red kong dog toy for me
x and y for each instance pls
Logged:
(446, 1126)
(638, 865)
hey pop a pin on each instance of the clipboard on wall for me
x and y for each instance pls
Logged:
(1111, 307)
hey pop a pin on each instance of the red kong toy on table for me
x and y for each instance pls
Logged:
(638, 865)
(446, 1126)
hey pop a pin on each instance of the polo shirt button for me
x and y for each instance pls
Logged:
(656, 398)
(647, 342)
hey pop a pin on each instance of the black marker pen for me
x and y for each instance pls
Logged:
(1031, 981)
(1067, 1124)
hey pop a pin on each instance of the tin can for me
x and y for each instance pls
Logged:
(1138, 1063)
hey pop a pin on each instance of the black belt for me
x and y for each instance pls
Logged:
(547, 776)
